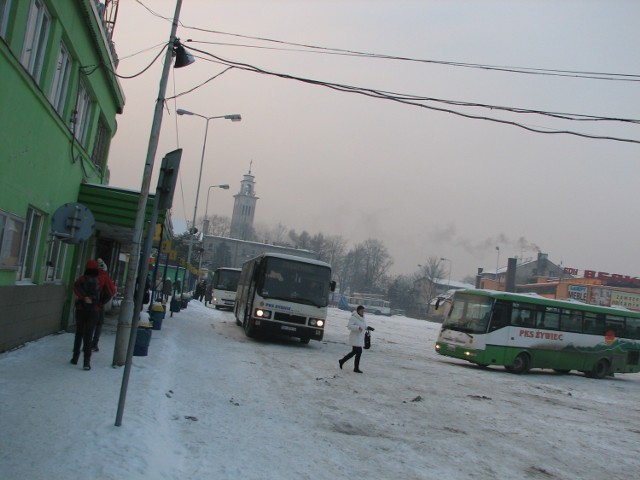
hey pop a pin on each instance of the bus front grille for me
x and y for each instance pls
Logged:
(285, 317)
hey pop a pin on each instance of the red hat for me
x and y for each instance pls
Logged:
(91, 265)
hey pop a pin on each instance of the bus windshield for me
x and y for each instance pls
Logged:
(295, 281)
(469, 313)
(226, 280)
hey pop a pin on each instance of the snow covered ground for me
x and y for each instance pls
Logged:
(209, 403)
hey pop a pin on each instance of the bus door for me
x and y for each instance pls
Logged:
(498, 332)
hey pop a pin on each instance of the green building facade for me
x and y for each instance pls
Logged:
(59, 99)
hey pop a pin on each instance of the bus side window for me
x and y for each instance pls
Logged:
(551, 318)
(499, 318)
(633, 328)
(571, 321)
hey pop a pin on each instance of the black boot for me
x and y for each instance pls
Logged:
(87, 363)
(74, 359)
(356, 366)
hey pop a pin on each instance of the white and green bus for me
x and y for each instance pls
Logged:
(524, 331)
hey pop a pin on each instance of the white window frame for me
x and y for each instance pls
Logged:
(5, 7)
(56, 260)
(11, 233)
(84, 107)
(35, 39)
(60, 83)
(30, 246)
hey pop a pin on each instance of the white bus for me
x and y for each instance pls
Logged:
(371, 302)
(284, 295)
(224, 285)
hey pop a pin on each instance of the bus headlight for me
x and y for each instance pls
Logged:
(260, 313)
(316, 322)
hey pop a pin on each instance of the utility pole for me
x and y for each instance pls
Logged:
(128, 319)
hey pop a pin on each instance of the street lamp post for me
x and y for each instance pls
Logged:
(205, 224)
(450, 266)
(497, 263)
(233, 118)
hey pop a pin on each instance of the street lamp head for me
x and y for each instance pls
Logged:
(183, 57)
(180, 111)
(224, 187)
(235, 117)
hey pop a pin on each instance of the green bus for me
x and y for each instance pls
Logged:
(524, 331)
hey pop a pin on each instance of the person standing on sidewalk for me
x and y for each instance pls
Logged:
(357, 327)
(91, 291)
(167, 289)
(103, 273)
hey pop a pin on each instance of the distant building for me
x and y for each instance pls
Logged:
(244, 209)
(552, 281)
(239, 247)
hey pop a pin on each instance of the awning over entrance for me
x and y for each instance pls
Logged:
(115, 210)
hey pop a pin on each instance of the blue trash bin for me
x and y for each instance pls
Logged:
(156, 315)
(143, 339)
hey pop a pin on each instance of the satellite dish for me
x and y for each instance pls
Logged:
(73, 223)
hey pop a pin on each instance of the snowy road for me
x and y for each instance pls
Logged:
(209, 403)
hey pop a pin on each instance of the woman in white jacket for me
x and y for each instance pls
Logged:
(357, 326)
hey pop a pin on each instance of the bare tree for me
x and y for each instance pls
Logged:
(365, 267)
(219, 226)
(430, 272)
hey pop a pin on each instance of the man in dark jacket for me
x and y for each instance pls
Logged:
(92, 293)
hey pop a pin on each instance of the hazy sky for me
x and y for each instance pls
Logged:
(426, 183)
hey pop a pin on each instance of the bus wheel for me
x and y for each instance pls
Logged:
(600, 369)
(521, 364)
(249, 330)
(304, 340)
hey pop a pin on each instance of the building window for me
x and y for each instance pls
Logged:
(30, 245)
(35, 39)
(56, 260)
(11, 229)
(100, 145)
(82, 115)
(5, 6)
(60, 82)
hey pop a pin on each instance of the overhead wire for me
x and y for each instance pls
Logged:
(347, 52)
(414, 101)
(342, 51)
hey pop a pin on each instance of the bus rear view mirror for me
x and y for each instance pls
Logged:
(438, 302)
(332, 285)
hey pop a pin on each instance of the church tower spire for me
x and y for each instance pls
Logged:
(244, 208)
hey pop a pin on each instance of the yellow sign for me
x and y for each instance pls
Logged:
(173, 254)
(157, 232)
(166, 246)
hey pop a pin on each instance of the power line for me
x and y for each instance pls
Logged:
(309, 48)
(414, 100)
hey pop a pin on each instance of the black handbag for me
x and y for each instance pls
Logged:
(367, 340)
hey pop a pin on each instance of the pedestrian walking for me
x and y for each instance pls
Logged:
(92, 294)
(167, 288)
(103, 273)
(357, 327)
(208, 295)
